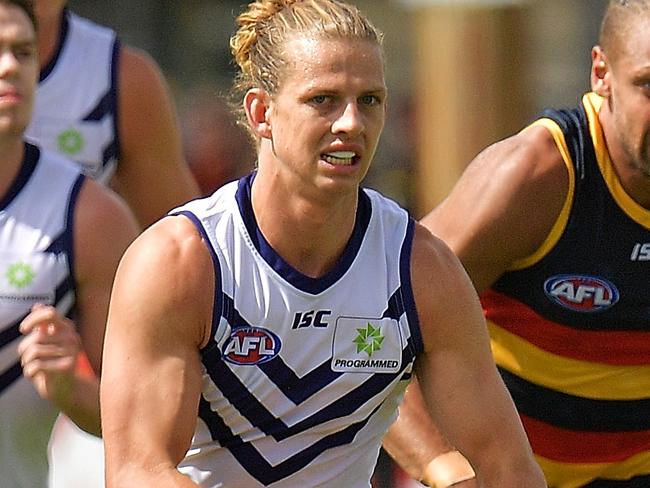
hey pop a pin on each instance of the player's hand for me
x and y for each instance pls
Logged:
(49, 351)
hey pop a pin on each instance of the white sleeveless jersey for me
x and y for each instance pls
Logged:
(303, 376)
(76, 99)
(35, 267)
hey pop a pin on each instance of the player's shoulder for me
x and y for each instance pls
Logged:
(539, 146)
(438, 278)
(138, 69)
(101, 211)
(99, 200)
(171, 259)
(530, 154)
(430, 256)
(173, 239)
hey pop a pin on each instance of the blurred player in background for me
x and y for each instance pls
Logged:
(106, 106)
(61, 236)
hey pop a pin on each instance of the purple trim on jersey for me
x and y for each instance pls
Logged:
(217, 307)
(11, 333)
(30, 160)
(63, 37)
(406, 288)
(65, 243)
(107, 107)
(8, 377)
(114, 92)
(258, 467)
(297, 389)
(284, 269)
(15, 371)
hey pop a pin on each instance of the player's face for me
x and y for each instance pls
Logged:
(18, 69)
(329, 111)
(629, 100)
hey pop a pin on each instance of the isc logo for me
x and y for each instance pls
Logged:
(251, 345)
(581, 293)
(313, 318)
(640, 252)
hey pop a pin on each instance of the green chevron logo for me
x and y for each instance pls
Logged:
(20, 275)
(70, 141)
(369, 339)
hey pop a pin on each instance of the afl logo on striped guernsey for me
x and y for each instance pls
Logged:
(251, 345)
(581, 293)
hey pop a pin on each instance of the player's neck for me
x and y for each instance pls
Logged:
(49, 37)
(310, 237)
(635, 182)
(13, 152)
(633, 177)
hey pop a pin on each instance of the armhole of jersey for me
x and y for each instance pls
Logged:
(115, 92)
(68, 239)
(217, 305)
(562, 219)
(408, 298)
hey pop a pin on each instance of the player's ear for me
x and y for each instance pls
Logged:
(600, 72)
(257, 105)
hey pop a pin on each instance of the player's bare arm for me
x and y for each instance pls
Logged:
(152, 174)
(155, 343)
(104, 226)
(523, 171)
(414, 439)
(493, 199)
(457, 375)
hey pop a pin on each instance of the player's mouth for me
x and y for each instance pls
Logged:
(10, 96)
(340, 158)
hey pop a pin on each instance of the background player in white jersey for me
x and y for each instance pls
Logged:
(287, 309)
(61, 236)
(105, 105)
(93, 89)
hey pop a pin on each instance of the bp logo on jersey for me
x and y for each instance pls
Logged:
(19, 275)
(251, 345)
(366, 345)
(70, 141)
(28, 278)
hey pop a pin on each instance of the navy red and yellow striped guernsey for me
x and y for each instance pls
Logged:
(570, 325)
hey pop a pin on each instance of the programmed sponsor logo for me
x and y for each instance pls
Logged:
(581, 293)
(251, 345)
(366, 345)
(341, 364)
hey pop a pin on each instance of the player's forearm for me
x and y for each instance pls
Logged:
(415, 456)
(506, 468)
(81, 402)
(414, 440)
(502, 455)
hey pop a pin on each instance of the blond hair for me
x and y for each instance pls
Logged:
(264, 28)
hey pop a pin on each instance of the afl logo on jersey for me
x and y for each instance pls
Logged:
(581, 293)
(251, 345)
